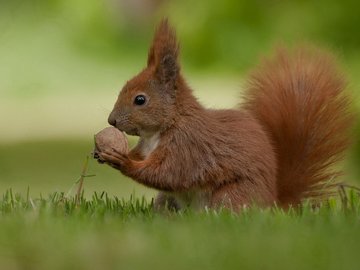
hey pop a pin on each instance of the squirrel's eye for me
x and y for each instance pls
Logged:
(140, 100)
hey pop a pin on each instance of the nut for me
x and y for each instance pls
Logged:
(108, 139)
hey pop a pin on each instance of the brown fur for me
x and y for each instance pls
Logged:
(276, 149)
(299, 98)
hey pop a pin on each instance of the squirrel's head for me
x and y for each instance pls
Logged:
(146, 104)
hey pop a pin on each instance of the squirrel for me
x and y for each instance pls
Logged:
(277, 147)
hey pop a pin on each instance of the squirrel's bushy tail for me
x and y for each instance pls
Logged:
(299, 98)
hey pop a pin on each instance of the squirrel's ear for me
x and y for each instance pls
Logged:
(163, 53)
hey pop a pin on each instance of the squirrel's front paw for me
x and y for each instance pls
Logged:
(115, 159)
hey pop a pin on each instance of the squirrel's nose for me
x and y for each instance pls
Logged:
(112, 119)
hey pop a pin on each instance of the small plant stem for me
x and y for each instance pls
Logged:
(81, 180)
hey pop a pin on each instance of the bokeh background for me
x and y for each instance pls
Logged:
(63, 62)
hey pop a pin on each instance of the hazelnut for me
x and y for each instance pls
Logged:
(108, 139)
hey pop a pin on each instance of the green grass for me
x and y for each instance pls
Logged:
(116, 229)
(104, 232)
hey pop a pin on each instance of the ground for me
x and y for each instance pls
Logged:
(103, 232)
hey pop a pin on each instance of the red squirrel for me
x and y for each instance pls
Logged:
(278, 147)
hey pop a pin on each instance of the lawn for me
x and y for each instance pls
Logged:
(116, 228)
(104, 232)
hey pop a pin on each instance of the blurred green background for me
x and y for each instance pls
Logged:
(64, 61)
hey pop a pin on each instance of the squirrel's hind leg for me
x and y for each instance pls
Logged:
(164, 201)
(237, 195)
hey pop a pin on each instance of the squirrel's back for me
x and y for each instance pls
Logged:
(299, 98)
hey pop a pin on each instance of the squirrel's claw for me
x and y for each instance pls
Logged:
(114, 158)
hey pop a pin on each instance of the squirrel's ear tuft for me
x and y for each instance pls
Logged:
(163, 53)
